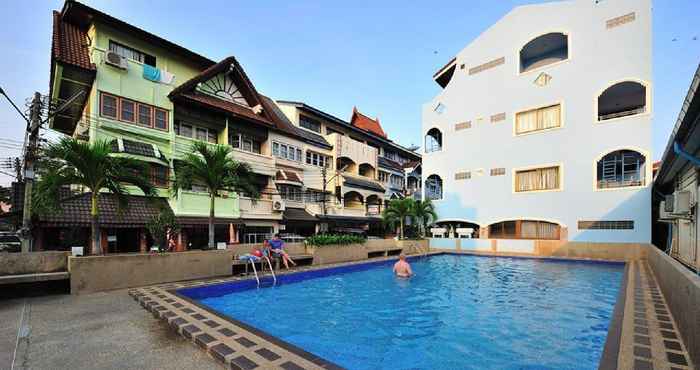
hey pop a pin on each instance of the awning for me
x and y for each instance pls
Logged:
(362, 184)
(349, 218)
(75, 212)
(288, 176)
(298, 214)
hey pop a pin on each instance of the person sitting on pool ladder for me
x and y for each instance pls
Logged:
(402, 268)
(277, 249)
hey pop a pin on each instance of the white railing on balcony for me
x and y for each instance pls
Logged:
(630, 112)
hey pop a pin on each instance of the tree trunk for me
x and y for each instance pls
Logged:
(94, 224)
(211, 222)
(401, 229)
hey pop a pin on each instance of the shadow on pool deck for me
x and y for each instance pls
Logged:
(103, 330)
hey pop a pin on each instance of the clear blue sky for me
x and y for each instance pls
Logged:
(379, 56)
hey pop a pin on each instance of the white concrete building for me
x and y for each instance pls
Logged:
(543, 128)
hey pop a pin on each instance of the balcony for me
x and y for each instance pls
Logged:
(260, 164)
(261, 208)
(191, 203)
(358, 152)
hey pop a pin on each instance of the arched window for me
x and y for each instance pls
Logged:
(354, 200)
(621, 100)
(524, 229)
(546, 49)
(366, 170)
(345, 164)
(433, 140)
(621, 168)
(433, 187)
(374, 205)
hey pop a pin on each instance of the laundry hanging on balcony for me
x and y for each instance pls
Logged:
(156, 75)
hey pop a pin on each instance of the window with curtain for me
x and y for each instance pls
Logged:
(537, 179)
(524, 229)
(538, 119)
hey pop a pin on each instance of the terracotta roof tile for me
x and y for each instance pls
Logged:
(286, 175)
(69, 44)
(388, 163)
(75, 211)
(233, 108)
(365, 123)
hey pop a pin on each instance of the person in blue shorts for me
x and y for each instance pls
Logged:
(277, 249)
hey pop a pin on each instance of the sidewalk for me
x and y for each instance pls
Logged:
(103, 330)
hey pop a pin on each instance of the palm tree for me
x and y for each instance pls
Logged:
(212, 166)
(398, 211)
(92, 166)
(425, 212)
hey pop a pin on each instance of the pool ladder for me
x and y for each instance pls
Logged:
(262, 264)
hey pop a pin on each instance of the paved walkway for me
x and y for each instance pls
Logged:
(650, 339)
(96, 331)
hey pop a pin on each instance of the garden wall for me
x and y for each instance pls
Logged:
(33, 263)
(99, 273)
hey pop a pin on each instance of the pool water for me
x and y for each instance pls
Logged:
(458, 312)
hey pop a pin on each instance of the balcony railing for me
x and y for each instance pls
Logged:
(625, 113)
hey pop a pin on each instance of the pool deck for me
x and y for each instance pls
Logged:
(642, 334)
(93, 331)
(649, 338)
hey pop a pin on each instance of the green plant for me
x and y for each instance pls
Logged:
(92, 166)
(162, 228)
(398, 211)
(213, 166)
(424, 211)
(334, 239)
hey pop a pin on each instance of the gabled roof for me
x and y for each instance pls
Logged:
(340, 122)
(231, 66)
(411, 164)
(69, 44)
(362, 184)
(287, 126)
(83, 16)
(387, 163)
(365, 123)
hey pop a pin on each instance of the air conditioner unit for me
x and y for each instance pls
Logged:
(278, 205)
(664, 213)
(116, 60)
(682, 202)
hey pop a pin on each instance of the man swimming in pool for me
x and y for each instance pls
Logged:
(402, 268)
(277, 248)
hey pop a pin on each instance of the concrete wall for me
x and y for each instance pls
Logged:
(681, 288)
(338, 253)
(241, 249)
(100, 273)
(33, 262)
(354, 252)
(546, 248)
(597, 60)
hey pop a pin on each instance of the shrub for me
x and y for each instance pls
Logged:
(332, 239)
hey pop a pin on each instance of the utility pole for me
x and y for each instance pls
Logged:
(323, 194)
(29, 156)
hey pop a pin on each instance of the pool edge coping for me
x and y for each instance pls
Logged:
(613, 341)
(309, 356)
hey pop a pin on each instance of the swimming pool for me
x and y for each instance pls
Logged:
(457, 312)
